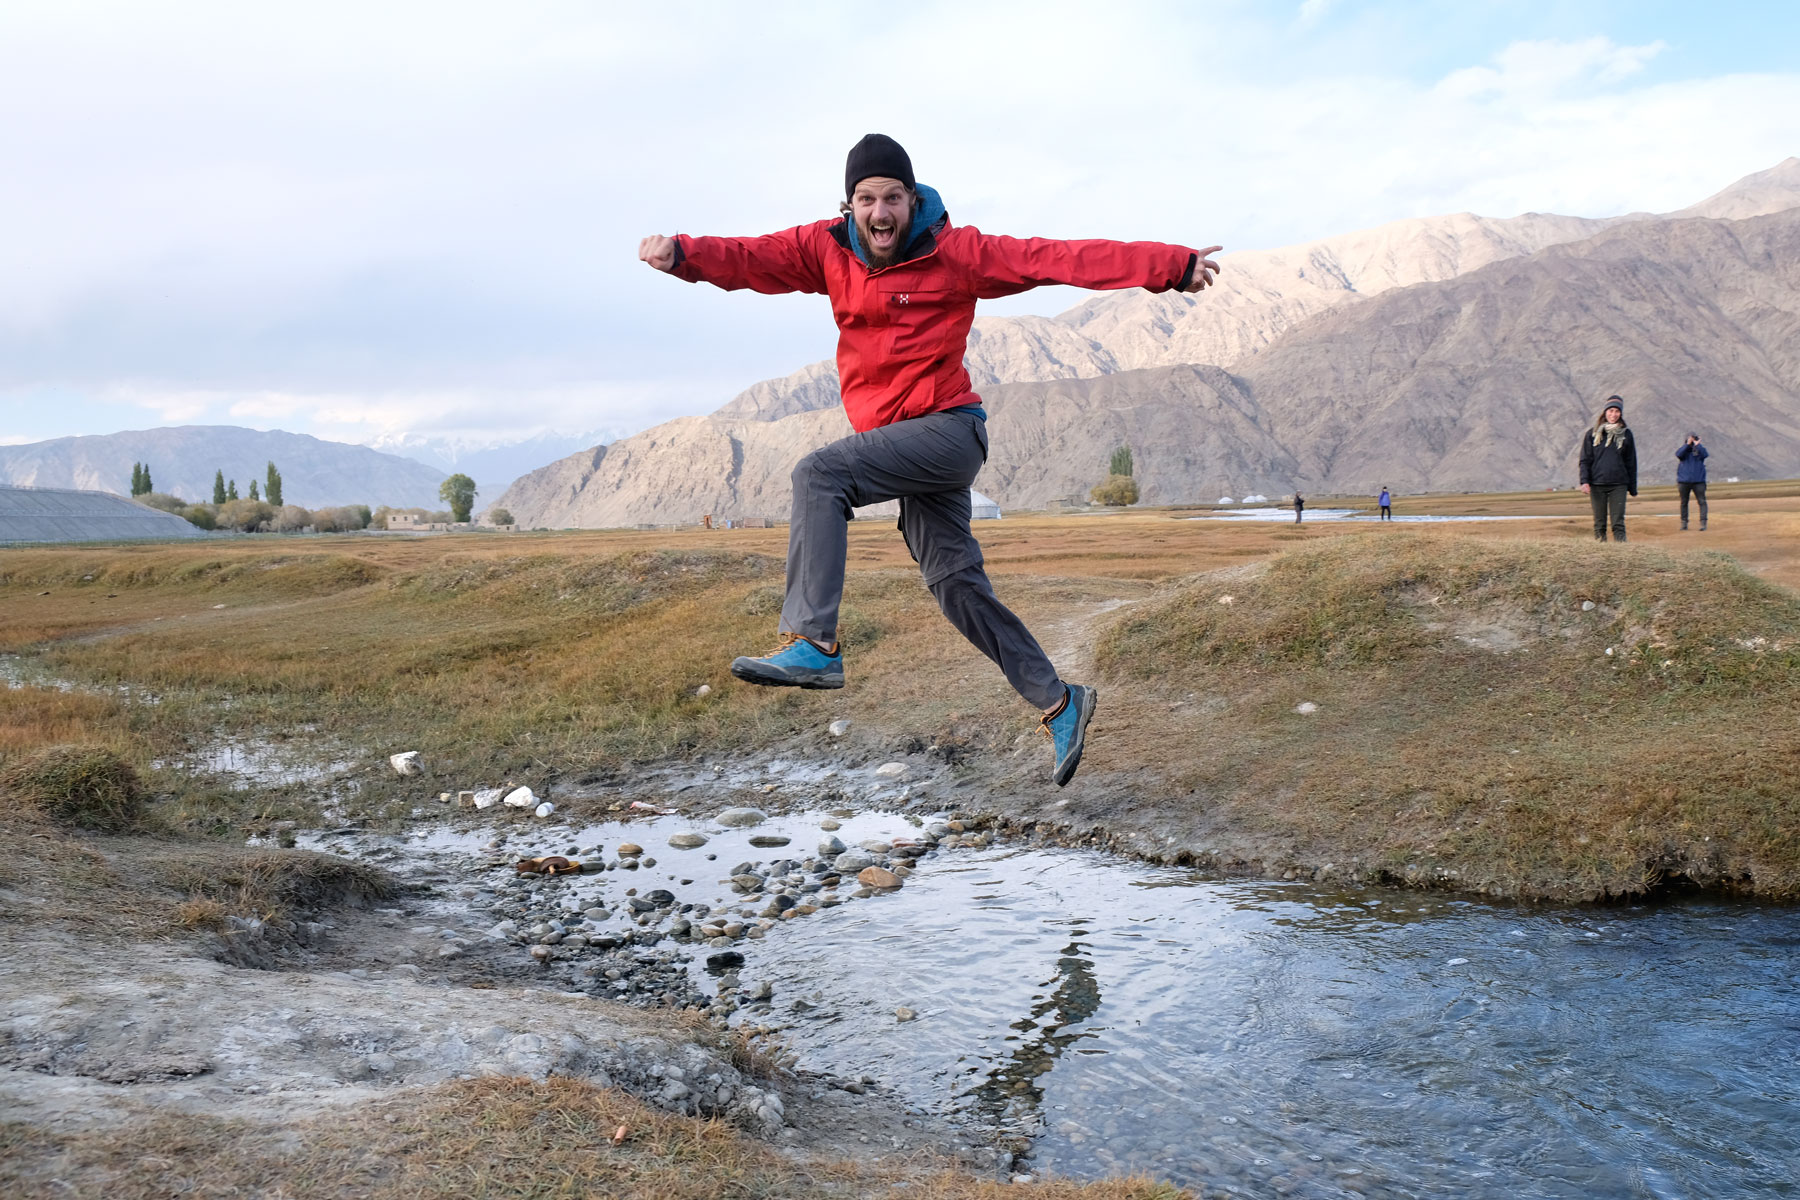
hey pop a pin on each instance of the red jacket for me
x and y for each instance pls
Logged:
(902, 330)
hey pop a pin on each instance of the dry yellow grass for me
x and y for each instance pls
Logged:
(547, 656)
(489, 1139)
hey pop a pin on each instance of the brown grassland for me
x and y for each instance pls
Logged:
(1472, 731)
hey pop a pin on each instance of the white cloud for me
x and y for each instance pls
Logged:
(1312, 12)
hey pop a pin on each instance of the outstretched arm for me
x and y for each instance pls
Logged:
(1004, 266)
(777, 262)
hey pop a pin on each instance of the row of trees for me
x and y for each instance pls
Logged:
(264, 511)
(252, 514)
(224, 491)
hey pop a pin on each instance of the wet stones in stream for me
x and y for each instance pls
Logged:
(568, 931)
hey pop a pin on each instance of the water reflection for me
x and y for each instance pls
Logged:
(1012, 1090)
(1281, 1039)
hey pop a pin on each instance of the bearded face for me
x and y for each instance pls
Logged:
(882, 210)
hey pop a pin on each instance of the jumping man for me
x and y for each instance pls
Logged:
(903, 283)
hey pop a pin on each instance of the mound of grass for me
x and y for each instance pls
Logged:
(1553, 719)
(1358, 602)
(268, 883)
(87, 787)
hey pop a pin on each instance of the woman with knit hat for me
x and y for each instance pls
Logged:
(1609, 468)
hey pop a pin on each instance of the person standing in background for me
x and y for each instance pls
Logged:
(1609, 468)
(1690, 477)
(1387, 506)
(1299, 506)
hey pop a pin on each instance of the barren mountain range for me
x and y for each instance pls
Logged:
(1442, 353)
(183, 458)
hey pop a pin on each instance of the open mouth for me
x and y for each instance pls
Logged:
(882, 234)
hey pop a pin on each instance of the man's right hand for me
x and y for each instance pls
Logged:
(1584, 487)
(658, 251)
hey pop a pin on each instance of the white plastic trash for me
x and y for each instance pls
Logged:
(544, 809)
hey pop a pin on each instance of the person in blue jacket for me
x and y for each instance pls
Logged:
(1387, 505)
(1690, 477)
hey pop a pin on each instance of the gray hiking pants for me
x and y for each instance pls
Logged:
(927, 464)
(1608, 501)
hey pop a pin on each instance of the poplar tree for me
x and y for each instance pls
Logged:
(231, 490)
(148, 485)
(219, 487)
(272, 492)
(137, 479)
(253, 494)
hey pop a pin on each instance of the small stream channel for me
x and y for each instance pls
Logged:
(1266, 1038)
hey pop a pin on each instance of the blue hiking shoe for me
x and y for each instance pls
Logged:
(797, 662)
(1067, 730)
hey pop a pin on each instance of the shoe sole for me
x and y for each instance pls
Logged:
(1087, 700)
(751, 674)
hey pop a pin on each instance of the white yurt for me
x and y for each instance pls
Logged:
(981, 508)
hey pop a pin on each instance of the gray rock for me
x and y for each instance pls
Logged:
(839, 727)
(851, 861)
(687, 841)
(738, 818)
(831, 847)
(724, 959)
(660, 896)
(768, 840)
(892, 770)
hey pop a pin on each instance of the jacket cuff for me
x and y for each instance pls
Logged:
(1187, 277)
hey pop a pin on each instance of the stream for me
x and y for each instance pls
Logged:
(1266, 1038)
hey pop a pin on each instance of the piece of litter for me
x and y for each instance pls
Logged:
(1306, 708)
(544, 809)
(1456, 962)
(641, 806)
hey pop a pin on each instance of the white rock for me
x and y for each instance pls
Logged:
(544, 809)
(704, 689)
(893, 770)
(522, 797)
(406, 763)
(839, 727)
(1227, 599)
(445, 797)
(1609, 651)
(1587, 606)
(904, 1014)
(1306, 707)
(487, 797)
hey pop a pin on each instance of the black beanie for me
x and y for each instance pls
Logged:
(876, 155)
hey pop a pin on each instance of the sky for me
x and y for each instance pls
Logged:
(417, 223)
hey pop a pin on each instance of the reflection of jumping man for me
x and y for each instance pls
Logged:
(903, 283)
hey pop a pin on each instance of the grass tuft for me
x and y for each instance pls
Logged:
(87, 787)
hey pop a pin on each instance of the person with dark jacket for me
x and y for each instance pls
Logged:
(1690, 477)
(1299, 507)
(1609, 468)
(903, 282)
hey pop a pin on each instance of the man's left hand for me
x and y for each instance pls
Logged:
(1204, 270)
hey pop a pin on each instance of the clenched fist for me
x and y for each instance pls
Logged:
(658, 251)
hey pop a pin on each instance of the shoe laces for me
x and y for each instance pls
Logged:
(787, 639)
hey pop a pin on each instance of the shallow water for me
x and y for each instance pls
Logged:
(1281, 1038)
(1270, 1038)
